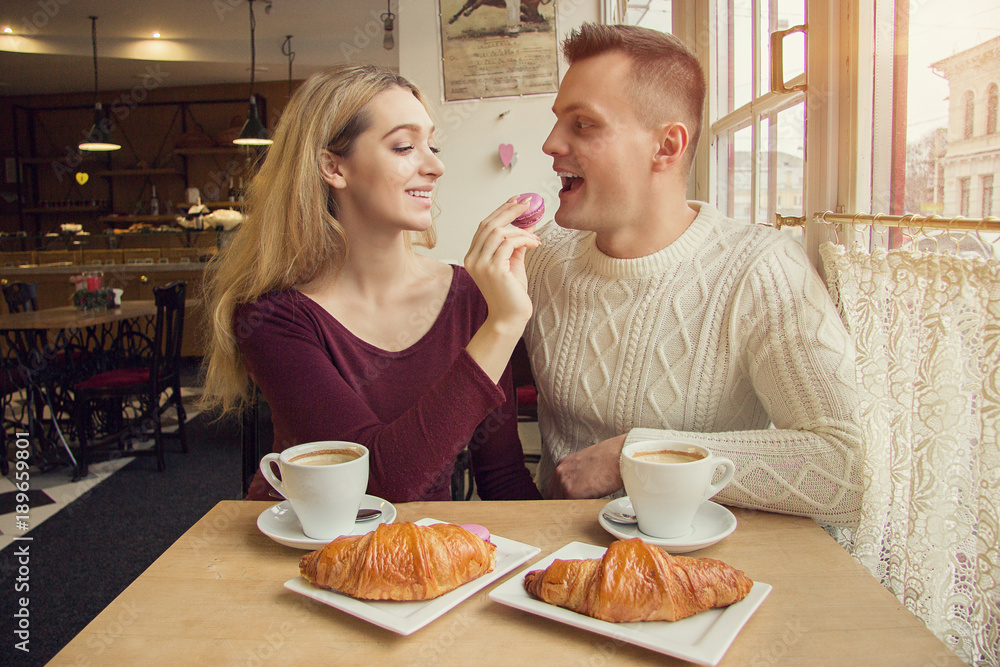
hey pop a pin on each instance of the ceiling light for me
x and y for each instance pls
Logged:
(156, 35)
(7, 30)
(253, 132)
(98, 138)
(387, 24)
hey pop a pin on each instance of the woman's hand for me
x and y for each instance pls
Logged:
(496, 263)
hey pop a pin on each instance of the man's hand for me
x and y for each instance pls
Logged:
(589, 473)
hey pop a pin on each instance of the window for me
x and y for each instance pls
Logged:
(937, 76)
(937, 204)
(886, 125)
(970, 114)
(991, 109)
(655, 14)
(756, 137)
(987, 195)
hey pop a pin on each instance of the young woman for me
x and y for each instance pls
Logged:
(349, 333)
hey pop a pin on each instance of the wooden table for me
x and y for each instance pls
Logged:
(70, 317)
(216, 597)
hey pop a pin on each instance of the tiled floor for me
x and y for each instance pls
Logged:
(54, 490)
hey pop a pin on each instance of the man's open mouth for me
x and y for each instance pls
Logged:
(570, 181)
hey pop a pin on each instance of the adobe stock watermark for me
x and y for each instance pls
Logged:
(454, 115)
(217, 186)
(775, 653)
(22, 543)
(47, 10)
(113, 629)
(223, 7)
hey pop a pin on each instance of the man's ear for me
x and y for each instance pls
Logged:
(674, 141)
(331, 168)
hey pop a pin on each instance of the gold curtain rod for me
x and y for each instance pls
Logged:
(918, 222)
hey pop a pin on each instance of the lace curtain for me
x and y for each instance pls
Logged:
(927, 328)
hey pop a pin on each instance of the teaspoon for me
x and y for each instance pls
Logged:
(368, 514)
(619, 517)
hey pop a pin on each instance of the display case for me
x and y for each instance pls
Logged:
(177, 245)
(165, 145)
(140, 270)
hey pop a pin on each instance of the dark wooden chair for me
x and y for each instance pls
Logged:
(21, 297)
(524, 384)
(256, 434)
(524, 390)
(463, 483)
(11, 383)
(143, 370)
(526, 398)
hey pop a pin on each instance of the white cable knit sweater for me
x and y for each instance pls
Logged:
(721, 333)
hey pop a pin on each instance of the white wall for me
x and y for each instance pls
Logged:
(470, 132)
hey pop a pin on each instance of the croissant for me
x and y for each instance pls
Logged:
(400, 561)
(635, 581)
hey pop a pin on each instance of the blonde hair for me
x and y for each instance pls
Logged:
(290, 234)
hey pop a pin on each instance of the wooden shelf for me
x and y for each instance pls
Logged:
(137, 218)
(59, 158)
(212, 150)
(139, 172)
(61, 210)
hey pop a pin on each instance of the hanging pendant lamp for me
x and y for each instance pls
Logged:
(388, 20)
(253, 132)
(98, 138)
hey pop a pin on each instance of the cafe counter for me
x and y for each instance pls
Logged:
(137, 281)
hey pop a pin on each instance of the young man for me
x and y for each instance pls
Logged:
(656, 317)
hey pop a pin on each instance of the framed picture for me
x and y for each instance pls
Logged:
(498, 48)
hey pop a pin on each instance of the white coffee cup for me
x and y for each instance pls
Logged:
(668, 480)
(325, 483)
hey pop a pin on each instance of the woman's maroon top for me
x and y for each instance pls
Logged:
(415, 409)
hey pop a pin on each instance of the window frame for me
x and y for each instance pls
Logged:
(843, 121)
(969, 114)
(986, 205)
(992, 102)
(829, 130)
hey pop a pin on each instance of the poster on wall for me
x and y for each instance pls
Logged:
(498, 48)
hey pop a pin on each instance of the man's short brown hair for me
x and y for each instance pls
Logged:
(666, 80)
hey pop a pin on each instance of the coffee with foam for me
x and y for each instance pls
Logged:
(669, 456)
(326, 457)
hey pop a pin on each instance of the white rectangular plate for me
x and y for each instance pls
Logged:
(703, 638)
(408, 617)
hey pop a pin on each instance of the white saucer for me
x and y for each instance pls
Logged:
(280, 523)
(712, 524)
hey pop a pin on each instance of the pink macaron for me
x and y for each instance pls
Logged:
(478, 530)
(536, 209)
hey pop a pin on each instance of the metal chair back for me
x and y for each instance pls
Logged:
(169, 333)
(21, 297)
